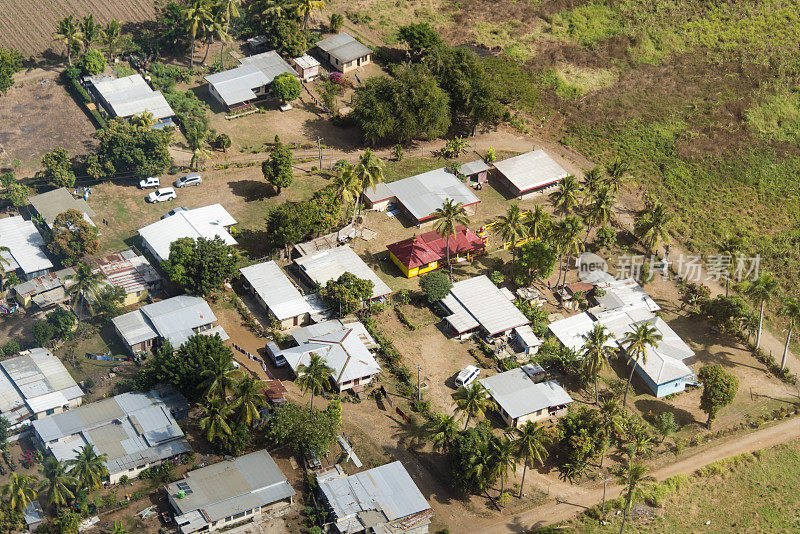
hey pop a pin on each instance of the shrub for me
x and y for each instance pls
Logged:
(92, 62)
(436, 285)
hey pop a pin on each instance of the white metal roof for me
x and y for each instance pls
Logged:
(424, 193)
(478, 300)
(525, 333)
(38, 379)
(474, 167)
(25, 244)
(531, 170)
(623, 295)
(132, 95)
(570, 331)
(343, 47)
(174, 319)
(306, 62)
(208, 222)
(516, 393)
(332, 263)
(237, 85)
(278, 292)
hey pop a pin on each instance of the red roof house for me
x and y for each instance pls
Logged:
(426, 252)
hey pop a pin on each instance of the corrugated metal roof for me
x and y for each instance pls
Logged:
(474, 167)
(25, 244)
(306, 62)
(46, 282)
(126, 270)
(134, 327)
(531, 170)
(208, 222)
(237, 85)
(343, 47)
(49, 205)
(279, 294)
(570, 331)
(378, 192)
(178, 314)
(424, 193)
(518, 395)
(333, 263)
(39, 379)
(131, 95)
(486, 304)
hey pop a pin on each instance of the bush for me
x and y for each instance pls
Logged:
(92, 62)
(286, 87)
(436, 285)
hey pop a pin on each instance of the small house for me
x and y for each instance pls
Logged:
(53, 203)
(45, 291)
(476, 172)
(427, 252)
(529, 173)
(128, 97)
(34, 516)
(130, 272)
(307, 67)
(477, 305)
(344, 53)
(521, 398)
(238, 88)
(319, 268)
(207, 222)
(25, 254)
(528, 341)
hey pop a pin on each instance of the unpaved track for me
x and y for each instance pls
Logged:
(555, 512)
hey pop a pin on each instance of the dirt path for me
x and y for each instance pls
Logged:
(558, 510)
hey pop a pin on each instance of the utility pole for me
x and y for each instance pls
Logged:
(603, 514)
(319, 147)
(419, 390)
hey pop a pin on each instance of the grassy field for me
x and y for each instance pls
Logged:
(752, 493)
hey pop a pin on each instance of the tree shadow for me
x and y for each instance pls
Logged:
(254, 242)
(657, 407)
(252, 190)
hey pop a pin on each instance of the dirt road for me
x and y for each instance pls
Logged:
(557, 511)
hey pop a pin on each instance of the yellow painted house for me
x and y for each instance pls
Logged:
(130, 272)
(427, 252)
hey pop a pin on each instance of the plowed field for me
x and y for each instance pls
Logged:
(28, 25)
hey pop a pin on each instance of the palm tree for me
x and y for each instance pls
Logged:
(58, 482)
(593, 180)
(761, 290)
(473, 401)
(511, 227)
(531, 442)
(567, 233)
(565, 198)
(304, 10)
(197, 136)
(3, 262)
(616, 170)
(67, 33)
(220, 377)
(730, 246)
(110, 36)
(197, 12)
(449, 217)
(504, 458)
(600, 209)
(273, 8)
(314, 376)
(213, 28)
(214, 420)
(88, 468)
(90, 32)
(653, 226)
(790, 309)
(481, 466)
(368, 173)
(86, 282)
(248, 397)
(144, 120)
(20, 491)
(644, 336)
(596, 353)
(442, 430)
(231, 9)
(610, 414)
(346, 185)
(632, 478)
(538, 222)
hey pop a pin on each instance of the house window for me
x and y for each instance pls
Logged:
(239, 515)
(51, 411)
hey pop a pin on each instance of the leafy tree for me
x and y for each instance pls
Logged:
(236, 442)
(632, 477)
(4, 424)
(126, 148)
(447, 219)
(108, 301)
(68, 33)
(531, 442)
(42, 332)
(653, 225)
(17, 194)
(537, 259)
(606, 237)
(248, 397)
(10, 64)
(636, 343)
(511, 228)
(88, 468)
(315, 376)
(597, 350)
(790, 310)
(20, 491)
(277, 170)
(666, 425)
(761, 290)
(348, 293)
(719, 389)
(58, 482)
(92, 62)
(72, 237)
(11, 520)
(411, 105)
(442, 431)
(335, 22)
(470, 461)
(286, 87)
(200, 265)
(219, 376)
(581, 439)
(62, 321)
(285, 36)
(66, 521)
(436, 285)
(214, 420)
(419, 37)
(293, 222)
(58, 168)
(727, 313)
(223, 141)
(304, 430)
(189, 110)
(473, 401)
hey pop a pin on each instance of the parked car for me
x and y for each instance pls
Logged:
(275, 355)
(189, 179)
(150, 181)
(467, 376)
(173, 211)
(162, 195)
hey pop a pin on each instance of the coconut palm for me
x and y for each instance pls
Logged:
(611, 415)
(3, 263)
(88, 467)
(596, 353)
(111, 36)
(220, 377)
(273, 8)
(144, 120)
(346, 185)
(449, 217)
(85, 282)
(196, 14)
(653, 226)
(504, 458)
(790, 310)
(731, 247)
(616, 170)
(58, 482)
(68, 33)
(231, 10)
(593, 180)
(248, 397)
(761, 290)
(538, 222)
(90, 31)
(214, 28)
(636, 343)
(197, 137)
(441, 430)
(511, 227)
(600, 209)
(20, 491)
(568, 241)
(633, 476)
(481, 466)
(473, 401)
(305, 8)
(214, 420)
(531, 442)
(565, 198)
(314, 376)
(368, 173)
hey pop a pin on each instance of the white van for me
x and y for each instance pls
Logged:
(467, 376)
